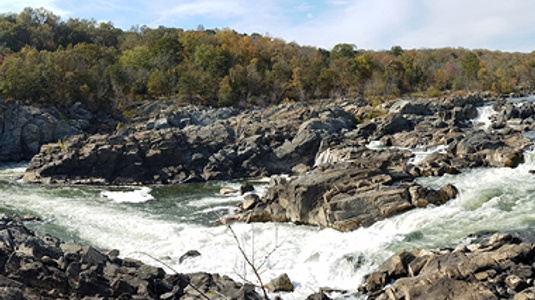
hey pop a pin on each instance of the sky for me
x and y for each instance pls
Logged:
(506, 25)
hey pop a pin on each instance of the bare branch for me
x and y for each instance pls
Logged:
(251, 264)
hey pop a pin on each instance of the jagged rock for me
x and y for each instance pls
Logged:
(413, 107)
(280, 284)
(318, 296)
(493, 270)
(82, 272)
(218, 286)
(246, 187)
(24, 129)
(344, 195)
(250, 201)
(227, 191)
(228, 146)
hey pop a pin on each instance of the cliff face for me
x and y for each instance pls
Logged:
(23, 129)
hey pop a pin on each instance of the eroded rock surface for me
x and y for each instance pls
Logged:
(254, 143)
(501, 268)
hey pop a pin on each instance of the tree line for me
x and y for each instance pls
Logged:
(45, 60)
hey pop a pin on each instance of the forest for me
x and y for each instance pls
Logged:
(47, 61)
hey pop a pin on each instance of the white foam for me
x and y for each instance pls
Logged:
(325, 157)
(138, 195)
(484, 114)
(420, 153)
(12, 170)
(375, 145)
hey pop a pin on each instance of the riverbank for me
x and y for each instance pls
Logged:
(44, 267)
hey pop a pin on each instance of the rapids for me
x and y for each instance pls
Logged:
(179, 218)
(167, 221)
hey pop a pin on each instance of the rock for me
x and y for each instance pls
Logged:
(318, 296)
(396, 266)
(227, 191)
(515, 283)
(525, 295)
(497, 269)
(113, 253)
(413, 107)
(24, 129)
(216, 145)
(344, 195)
(280, 284)
(375, 282)
(218, 285)
(246, 187)
(300, 169)
(394, 123)
(188, 255)
(250, 201)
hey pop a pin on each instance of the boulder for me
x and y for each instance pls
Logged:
(280, 284)
(412, 107)
(188, 255)
(318, 296)
(250, 201)
(344, 195)
(23, 129)
(227, 191)
(246, 187)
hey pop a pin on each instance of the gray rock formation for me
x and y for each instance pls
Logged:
(501, 268)
(23, 129)
(346, 195)
(254, 143)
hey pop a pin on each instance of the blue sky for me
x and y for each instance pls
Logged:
(506, 25)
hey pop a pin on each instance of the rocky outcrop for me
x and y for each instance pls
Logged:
(23, 129)
(353, 184)
(373, 186)
(33, 267)
(253, 143)
(501, 268)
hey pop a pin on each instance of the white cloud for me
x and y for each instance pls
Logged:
(380, 24)
(16, 6)
(212, 9)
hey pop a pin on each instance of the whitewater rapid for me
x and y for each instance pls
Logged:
(168, 221)
(178, 219)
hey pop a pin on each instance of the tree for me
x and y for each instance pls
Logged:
(397, 51)
(470, 64)
(343, 50)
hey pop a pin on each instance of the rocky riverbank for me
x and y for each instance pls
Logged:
(500, 268)
(178, 146)
(43, 267)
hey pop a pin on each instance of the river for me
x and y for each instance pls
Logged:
(167, 221)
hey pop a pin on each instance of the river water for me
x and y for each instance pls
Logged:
(167, 221)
